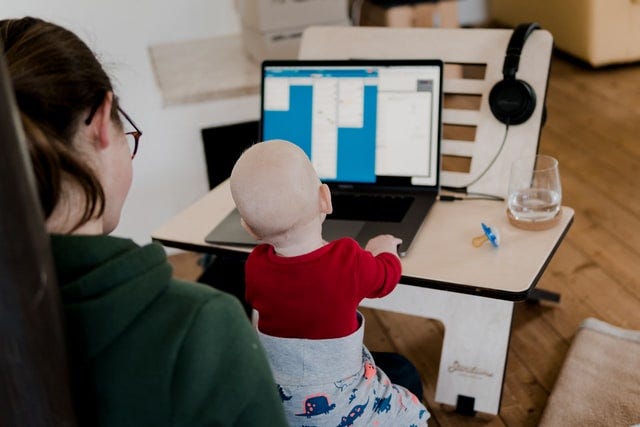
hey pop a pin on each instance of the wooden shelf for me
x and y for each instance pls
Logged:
(204, 70)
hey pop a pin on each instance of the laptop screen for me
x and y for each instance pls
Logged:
(361, 122)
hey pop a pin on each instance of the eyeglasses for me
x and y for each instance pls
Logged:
(133, 137)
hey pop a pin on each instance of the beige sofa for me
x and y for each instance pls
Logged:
(599, 32)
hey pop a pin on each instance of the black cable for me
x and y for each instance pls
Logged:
(504, 139)
(484, 196)
(455, 189)
(464, 191)
(479, 196)
(449, 198)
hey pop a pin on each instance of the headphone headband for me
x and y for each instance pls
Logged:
(516, 43)
(513, 101)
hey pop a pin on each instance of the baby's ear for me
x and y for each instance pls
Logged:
(325, 199)
(249, 229)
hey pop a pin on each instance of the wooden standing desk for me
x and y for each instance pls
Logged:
(470, 290)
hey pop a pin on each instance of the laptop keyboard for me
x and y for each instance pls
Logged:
(366, 207)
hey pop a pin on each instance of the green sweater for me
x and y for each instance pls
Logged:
(148, 350)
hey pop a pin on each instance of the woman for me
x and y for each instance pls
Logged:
(145, 349)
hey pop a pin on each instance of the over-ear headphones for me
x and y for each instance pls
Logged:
(513, 101)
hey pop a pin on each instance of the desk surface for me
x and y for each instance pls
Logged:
(441, 256)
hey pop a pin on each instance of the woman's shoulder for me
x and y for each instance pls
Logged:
(220, 372)
(194, 296)
(203, 321)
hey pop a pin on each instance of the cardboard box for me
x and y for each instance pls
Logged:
(277, 44)
(273, 15)
(599, 32)
(441, 14)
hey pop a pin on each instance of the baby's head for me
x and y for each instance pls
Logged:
(276, 189)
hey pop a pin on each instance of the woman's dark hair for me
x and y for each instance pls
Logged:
(57, 80)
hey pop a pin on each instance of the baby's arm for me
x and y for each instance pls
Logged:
(383, 243)
(379, 267)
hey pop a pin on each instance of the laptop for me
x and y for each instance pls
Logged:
(371, 129)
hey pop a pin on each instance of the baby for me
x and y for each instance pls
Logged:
(306, 292)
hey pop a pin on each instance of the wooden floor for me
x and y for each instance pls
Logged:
(593, 129)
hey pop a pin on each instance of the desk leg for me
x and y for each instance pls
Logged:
(538, 295)
(474, 350)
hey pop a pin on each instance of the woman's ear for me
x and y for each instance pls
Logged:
(102, 121)
(325, 200)
(249, 229)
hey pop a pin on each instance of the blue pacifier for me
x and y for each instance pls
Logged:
(489, 234)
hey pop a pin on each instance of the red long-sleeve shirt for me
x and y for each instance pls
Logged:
(316, 295)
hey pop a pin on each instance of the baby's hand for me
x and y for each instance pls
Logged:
(383, 243)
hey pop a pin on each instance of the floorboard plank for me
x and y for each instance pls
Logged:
(523, 397)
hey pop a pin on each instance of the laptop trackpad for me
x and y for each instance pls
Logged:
(333, 229)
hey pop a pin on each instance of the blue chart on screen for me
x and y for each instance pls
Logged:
(356, 144)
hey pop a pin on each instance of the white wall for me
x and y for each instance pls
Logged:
(169, 171)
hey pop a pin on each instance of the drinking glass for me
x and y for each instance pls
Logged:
(535, 193)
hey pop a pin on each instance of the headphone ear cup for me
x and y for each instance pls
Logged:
(512, 101)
